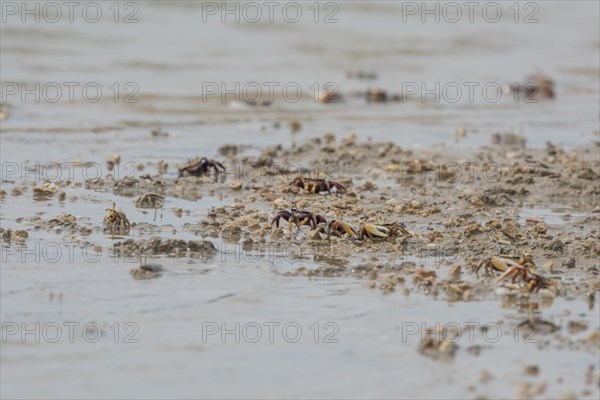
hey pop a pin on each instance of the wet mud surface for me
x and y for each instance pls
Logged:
(457, 212)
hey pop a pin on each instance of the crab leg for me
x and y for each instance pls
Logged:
(404, 231)
(305, 221)
(275, 221)
(314, 188)
(515, 269)
(329, 232)
(338, 186)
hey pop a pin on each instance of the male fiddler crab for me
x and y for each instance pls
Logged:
(372, 231)
(200, 166)
(313, 185)
(116, 220)
(523, 267)
(299, 218)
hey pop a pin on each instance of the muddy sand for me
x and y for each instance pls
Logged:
(439, 220)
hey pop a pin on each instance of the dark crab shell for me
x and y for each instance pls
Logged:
(200, 166)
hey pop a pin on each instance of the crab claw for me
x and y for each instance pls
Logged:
(376, 230)
(339, 187)
(347, 228)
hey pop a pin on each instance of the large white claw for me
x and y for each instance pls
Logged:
(502, 264)
(376, 230)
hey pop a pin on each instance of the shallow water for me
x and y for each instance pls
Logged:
(168, 55)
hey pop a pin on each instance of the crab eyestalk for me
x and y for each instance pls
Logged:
(339, 214)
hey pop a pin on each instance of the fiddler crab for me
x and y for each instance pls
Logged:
(299, 218)
(150, 200)
(372, 231)
(524, 267)
(200, 166)
(116, 220)
(313, 185)
(338, 228)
